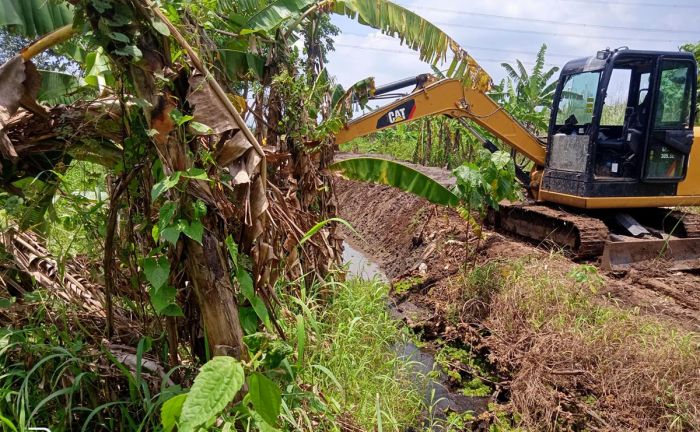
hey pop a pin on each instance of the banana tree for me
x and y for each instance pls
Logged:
(210, 180)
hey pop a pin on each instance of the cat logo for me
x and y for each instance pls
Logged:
(401, 113)
(397, 115)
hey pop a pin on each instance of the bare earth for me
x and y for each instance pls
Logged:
(404, 233)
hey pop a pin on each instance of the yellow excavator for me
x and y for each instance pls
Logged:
(620, 160)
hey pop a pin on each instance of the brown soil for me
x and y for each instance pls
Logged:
(424, 244)
(402, 232)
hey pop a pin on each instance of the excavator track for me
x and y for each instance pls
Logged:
(680, 223)
(587, 236)
(584, 236)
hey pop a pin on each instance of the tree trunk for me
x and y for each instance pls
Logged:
(215, 294)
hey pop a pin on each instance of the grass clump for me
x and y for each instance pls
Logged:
(578, 360)
(352, 355)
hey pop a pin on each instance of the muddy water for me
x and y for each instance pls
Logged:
(438, 395)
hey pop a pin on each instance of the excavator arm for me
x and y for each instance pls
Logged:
(449, 97)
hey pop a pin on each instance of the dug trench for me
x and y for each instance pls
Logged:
(560, 345)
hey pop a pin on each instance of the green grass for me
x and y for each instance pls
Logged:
(352, 356)
(402, 150)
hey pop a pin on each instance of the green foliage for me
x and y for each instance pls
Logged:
(265, 396)
(32, 18)
(486, 182)
(587, 275)
(695, 49)
(527, 96)
(305, 103)
(214, 388)
(394, 174)
(433, 45)
(350, 353)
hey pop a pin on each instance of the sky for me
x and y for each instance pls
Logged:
(496, 31)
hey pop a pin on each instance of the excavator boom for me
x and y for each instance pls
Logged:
(449, 97)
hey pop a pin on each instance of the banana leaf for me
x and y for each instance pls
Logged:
(389, 173)
(32, 18)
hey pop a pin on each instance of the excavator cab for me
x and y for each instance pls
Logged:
(621, 127)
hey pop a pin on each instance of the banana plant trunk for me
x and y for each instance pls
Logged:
(212, 285)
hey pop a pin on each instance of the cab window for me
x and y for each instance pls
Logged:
(578, 98)
(673, 109)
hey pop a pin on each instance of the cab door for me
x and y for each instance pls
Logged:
(671, 125)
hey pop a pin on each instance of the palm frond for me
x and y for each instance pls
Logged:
(433, 45)
(549, 74)
(276, 13)
(511, 72)
(539, 61)
(524, 76)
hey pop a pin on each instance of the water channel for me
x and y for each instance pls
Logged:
(437, 392)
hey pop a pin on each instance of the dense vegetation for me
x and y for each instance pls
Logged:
(169, 252)
(163, 262)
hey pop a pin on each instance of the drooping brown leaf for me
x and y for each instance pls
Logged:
(233, 149)
(208, 109)
(17, 85)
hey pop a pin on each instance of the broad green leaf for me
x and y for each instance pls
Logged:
(246, 283)
(433, 44)
(201, 128)
(163, 301)
(248, 291)
(232, 251)
(57, 87)
(196, 174)
(161, 28)
(265, 396)
(129, 51)
(261, 424)
(500, 159)
(165, 185)
(119, 37)
(171, 234)
(394, 174)
(32, 18)
(194, 230)
(214, 387)
(249, 319)
(170, 412)
(277, 13)
(157, 271)
(166, 213)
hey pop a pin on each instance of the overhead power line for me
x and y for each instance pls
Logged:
(544, 21)
(415, 54)
(558, 34)
(474, 47)
(625, 3)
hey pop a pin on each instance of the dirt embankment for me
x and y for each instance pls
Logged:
(402, 232)
(558, 371)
